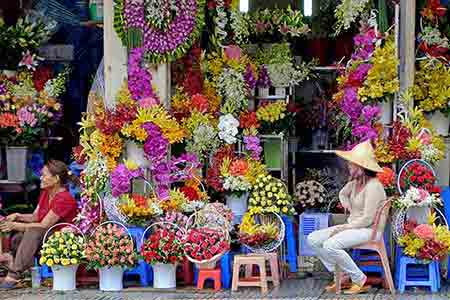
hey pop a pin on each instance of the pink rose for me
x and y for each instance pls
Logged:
(423, 194)
(424, 231)
(96, 257)
(123, 260)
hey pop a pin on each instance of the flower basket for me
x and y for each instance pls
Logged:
(440, 122)
(207, 238)
(250, 226)
(63, 252)
(417, 173)
(110, 250)
(163, 250)
(310, 194)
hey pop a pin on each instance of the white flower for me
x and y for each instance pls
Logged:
(415, 197)
(228, 128)
(236, 184)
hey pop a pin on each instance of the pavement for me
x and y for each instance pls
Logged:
(291, 289)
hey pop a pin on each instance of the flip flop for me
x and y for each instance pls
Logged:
(8, 285)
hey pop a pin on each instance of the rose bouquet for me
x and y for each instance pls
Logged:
(63, 248)
(163, 246)
(420, 176)
(139, 209)
(416, 197)
(269, 194)
(425, 241)
(110, 246)
(255, 234)
(202, 245)
(310, 194)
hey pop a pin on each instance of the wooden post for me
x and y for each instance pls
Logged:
(115, 56)
(407, 44)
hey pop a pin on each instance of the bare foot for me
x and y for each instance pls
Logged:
(6, 259)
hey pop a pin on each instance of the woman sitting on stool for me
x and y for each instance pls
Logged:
(55, 205)
(363, 196)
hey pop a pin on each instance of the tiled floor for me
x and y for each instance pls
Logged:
(306, 289)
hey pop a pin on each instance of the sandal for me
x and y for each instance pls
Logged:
(358, 288)
(8, 285)
(345, 284)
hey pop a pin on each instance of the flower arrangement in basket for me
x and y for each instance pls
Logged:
(425, 241)
(271, 195)
(261, 232)
(139, 209)
(163, 246)
(110, 246)
(420, 175)
(417, 197)
(63, 248)
(205, 246)
(310, 194)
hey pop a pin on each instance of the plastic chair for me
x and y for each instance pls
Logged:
(291, 244)
(143, 270)
(377, 245)
(213, 274)
(432, 279)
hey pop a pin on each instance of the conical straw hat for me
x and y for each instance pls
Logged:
(363, 155)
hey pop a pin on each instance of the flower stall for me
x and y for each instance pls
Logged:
(210, 134)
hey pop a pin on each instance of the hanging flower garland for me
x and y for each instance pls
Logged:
(139, 78)
(167, 32)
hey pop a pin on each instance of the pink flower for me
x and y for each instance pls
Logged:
(148, 102)
(26, 117)
(425, 137)
(424, 231)
(123, 260)
(30, 61)
(423, 194)
(233, 52)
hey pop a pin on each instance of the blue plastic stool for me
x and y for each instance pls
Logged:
(445, 194)
(46, 272)
(143, 270)
(432, 279)
(291, 244)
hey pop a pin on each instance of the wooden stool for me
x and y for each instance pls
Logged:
(250, 260)
(214, 274)
(272, 258)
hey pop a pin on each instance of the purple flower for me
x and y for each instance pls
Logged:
(139, 78)
(252, 144)
(249, 78)
(263, 78)
(357, 77)
(364, 45)
(121, 179)
(156, 145)
(26, 117)
(3, 89)
(350, 104)
(370, 113)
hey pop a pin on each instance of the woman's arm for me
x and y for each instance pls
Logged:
(345, 194)
(50, 219)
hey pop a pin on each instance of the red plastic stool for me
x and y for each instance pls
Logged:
(214, 274)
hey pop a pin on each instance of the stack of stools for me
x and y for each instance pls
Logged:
(259, 260)
(142, 269)
(213, 274)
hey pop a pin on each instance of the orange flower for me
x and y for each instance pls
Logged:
(8, 120)
(386, 177)
(200, 102)
(239, 167)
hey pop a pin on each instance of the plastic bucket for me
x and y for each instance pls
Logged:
(64, 277)
(111, 278)
(16, 163)
(164, 276)
(238, 205)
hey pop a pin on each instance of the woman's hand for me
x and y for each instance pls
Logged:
(12, 217)
(8, 226)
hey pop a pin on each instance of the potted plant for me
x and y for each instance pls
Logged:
(110, 250)
(63, 251)
(163, 249)
(205, 246)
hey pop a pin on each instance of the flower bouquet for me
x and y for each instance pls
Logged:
(205, 246)
(417, 197)
(428, 242)
(163, 250)
(388, 178)
(310, 194)
(275, 117)
(271, 195)
(63, 252)
(262, 234)
(110, 250)
(139, 209)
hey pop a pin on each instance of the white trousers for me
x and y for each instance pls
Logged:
(331, 250)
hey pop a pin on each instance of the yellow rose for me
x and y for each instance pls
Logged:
(49, 262)
(274, 189)
(267, 188)
(285, 209)
(279, 202)
(57, 260)
(57, 234)
(53, 251)
(48, 251)
(269, 202)
(270, 195)
(74, 247)
(42, 260)
(74, 253)
(74, 261)
(65, 262)
(66, 252)
(61, 241)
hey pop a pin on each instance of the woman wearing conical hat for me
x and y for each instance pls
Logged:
(363, 195)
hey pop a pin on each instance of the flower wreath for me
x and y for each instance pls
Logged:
(166, 28)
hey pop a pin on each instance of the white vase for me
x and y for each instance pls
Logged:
(164, 276)
(111, 278)
(386, 111)
(16, 163)
(64, 277)
(440, 122)
(238, 205)
(136, 153)
(9, 73)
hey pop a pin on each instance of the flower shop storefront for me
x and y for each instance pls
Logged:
(208, 142)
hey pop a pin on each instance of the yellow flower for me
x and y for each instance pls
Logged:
(271, 112)
(49, 262)
(42, 260)
(130, 164)
(57, 234)
(74, 261)
(65, 261)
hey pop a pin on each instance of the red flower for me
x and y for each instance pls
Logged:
(249, 120)
(41, 76)
(200, 103)
(190, 193)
